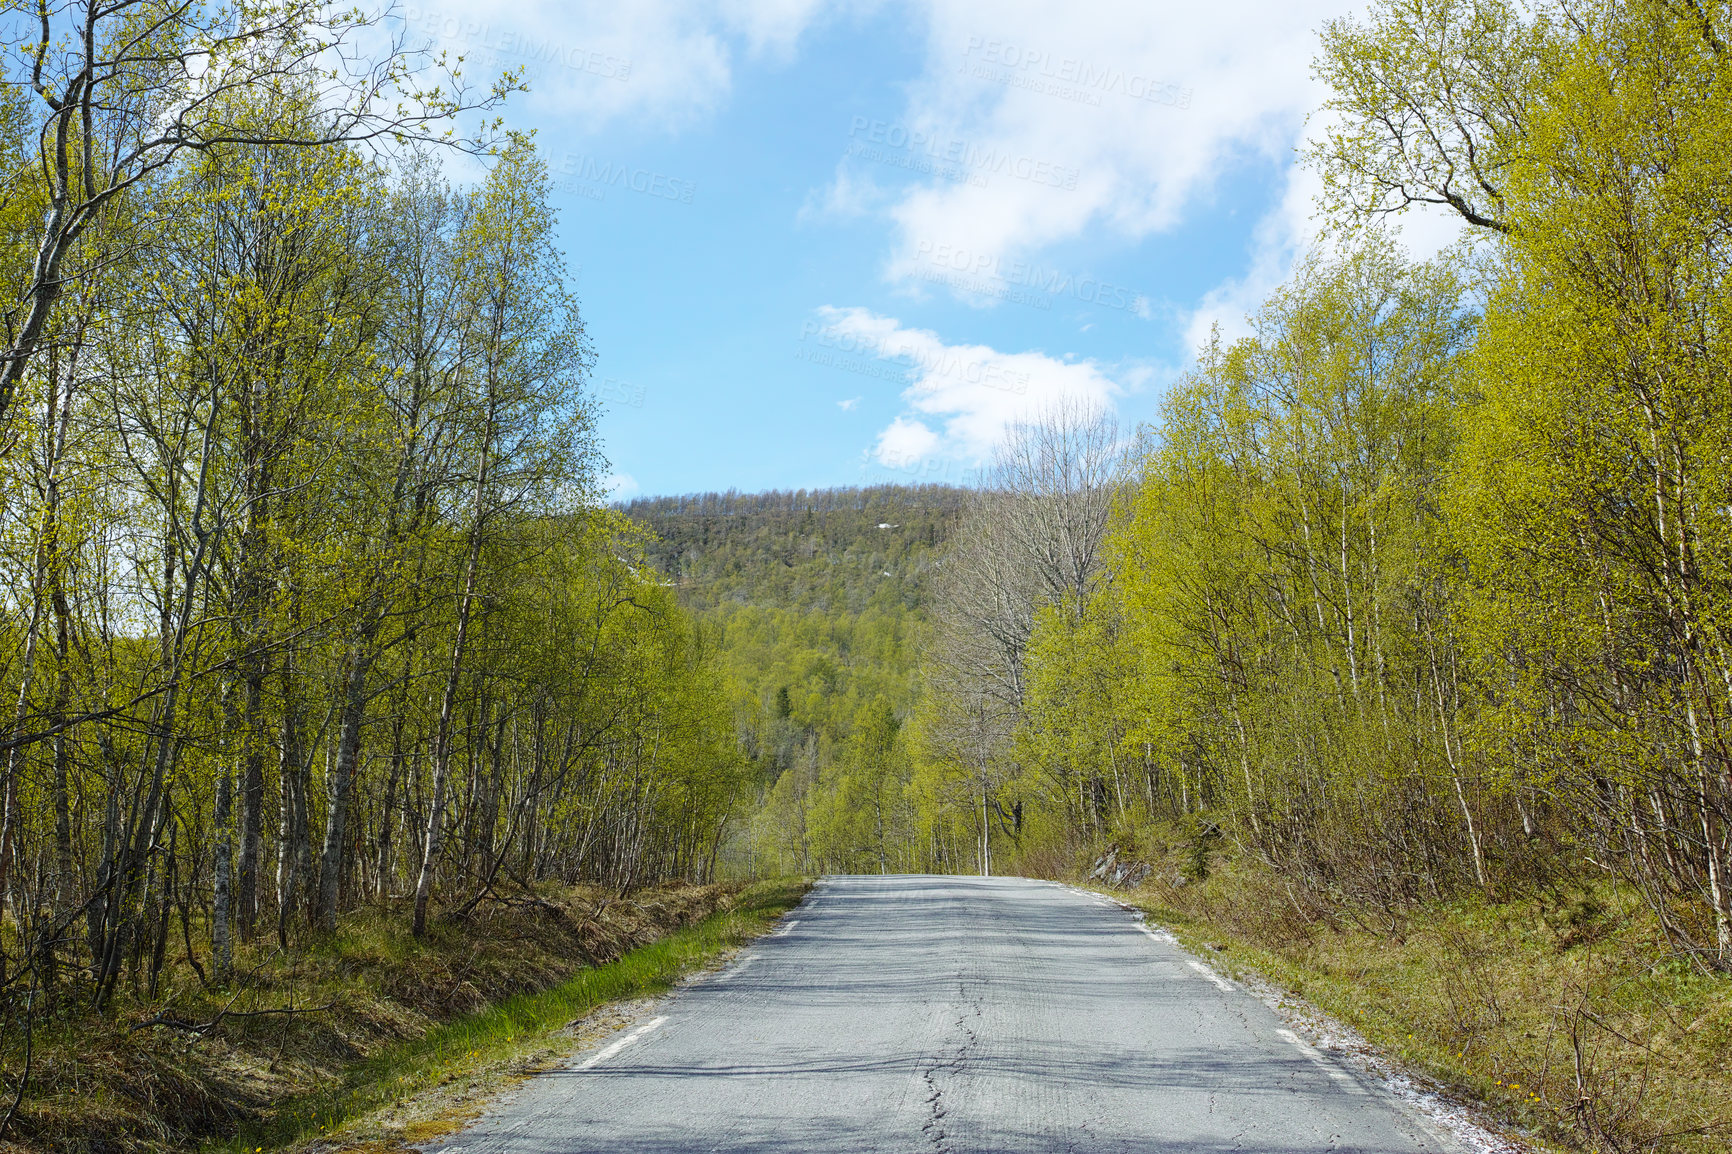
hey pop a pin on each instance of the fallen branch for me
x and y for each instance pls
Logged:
(201, 1029)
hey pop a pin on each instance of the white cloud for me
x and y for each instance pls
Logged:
(1039, 124)
(665, 61)
(1069, 87)
(1278, 240)
(962, 397)
(906, 441)
(847, 406)
(620, 486)
(771, 27)
(848, 197)
(1114, 113)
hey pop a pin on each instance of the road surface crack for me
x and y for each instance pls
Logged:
(1085, 1139)
(949, 1063)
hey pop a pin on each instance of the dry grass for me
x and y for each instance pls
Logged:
(372, 1005)
(1566, 1014)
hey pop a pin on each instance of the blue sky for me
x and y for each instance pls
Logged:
(839, 243)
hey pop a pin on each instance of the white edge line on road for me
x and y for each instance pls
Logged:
(1161, 936)
(1324, 1064)
(1165, 938)
(742, 964)
(786, 926)
(1219, 981)
(619, 1044)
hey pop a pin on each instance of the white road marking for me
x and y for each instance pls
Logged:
(619, 1044)
(1219, 981)
(744, 962)
(1161, 936)
(1336, 1074)
(783, 932)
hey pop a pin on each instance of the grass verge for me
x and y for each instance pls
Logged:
(1565, 1014)
(511, 1037)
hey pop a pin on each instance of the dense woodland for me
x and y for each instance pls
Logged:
(1396, 651)
(313, 610)
(814, 602)
(1422, 588)
(311, 604)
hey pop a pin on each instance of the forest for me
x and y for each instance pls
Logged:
(312, 607)
(1401, 639)
(1422, 587)
(814, 602)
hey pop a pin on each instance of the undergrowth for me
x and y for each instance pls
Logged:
(1565, 1012)
(313, 1036)
(504, 1034)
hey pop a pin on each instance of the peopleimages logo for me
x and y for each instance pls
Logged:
(620, 392)
(954, 261)
(952, 154)
(878, 370)
(1066, 76)
(977, 286)
(833, 341)
(914, 163)
(931, 468)
(512, 42)
(588, 170)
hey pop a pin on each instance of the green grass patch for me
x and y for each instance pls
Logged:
(513, 1030)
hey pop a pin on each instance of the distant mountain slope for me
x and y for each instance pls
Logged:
(824, 549)
(814, 600)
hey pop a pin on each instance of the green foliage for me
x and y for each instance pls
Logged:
(1594, 483)
(523, 1024)
(1424, 587)
(812, 602)
(1588, 498)
(1272, 643)
(310, 603)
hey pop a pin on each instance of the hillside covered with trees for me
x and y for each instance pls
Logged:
(1398, 646)
(814, 604)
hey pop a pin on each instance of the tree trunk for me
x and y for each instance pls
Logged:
(448, 702)
(252, 778)
(221, 949)
(294, 849)
(341, 785)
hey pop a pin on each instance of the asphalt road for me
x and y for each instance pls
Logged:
(954, 1014)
